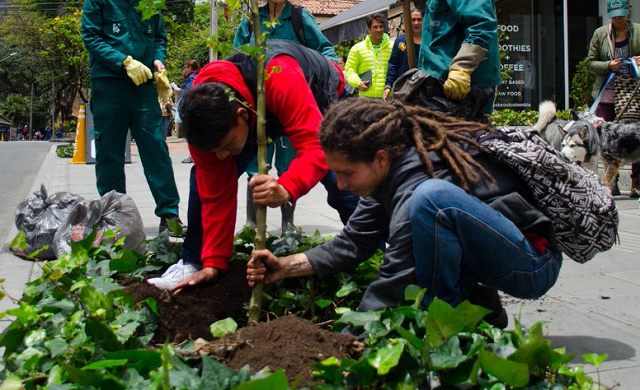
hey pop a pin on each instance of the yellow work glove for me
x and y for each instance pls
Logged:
(163, 85)
(136, 70)
(458, 84)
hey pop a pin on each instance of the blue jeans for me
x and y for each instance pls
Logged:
(458, 240)
(343, 201)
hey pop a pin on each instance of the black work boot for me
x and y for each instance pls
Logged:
(488, 297)
(164, 225)
(252, 210)
(287, 211)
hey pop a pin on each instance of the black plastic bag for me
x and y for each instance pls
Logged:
(40, 216)
(417, 88)
(113, 211)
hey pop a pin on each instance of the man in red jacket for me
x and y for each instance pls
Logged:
(218, 117)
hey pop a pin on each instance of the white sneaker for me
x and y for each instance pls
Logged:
(173, 275)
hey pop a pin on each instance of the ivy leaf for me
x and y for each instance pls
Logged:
(217, 376)
(448, 355)
(102, 335)
(594, 358)
(11, 383)
(223, 327)
(512, 373)
(386, 358)
(101, 364)
(322, 303)
(19, 241)
(358, 318)
(275, 381)
(347, 289)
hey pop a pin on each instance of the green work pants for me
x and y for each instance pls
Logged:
(117, 106)
(284, 153)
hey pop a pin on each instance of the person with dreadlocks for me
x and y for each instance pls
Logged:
(453, 218)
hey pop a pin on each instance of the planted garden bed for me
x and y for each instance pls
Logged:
(79, 327)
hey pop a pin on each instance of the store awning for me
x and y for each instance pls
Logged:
(351, 23)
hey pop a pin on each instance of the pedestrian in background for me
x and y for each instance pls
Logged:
(122, 51)
(399, 60)
(366, 67)
(610, 46)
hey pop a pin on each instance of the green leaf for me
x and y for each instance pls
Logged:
(444, 321)
(12, 338)
(594, 358)
(19, 241)
(358, 318)
(448, 355)
(12, 383)
(56, 346)
(223, 327)
(384, 359)
(347, 289)
(94, 301)
(217, 376)
(275, 381)
(322, 303)
(512, 373)
(142, 360)
(101, 364)
(102, 335)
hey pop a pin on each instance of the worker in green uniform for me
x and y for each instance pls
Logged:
(122, 51)
(460, 45)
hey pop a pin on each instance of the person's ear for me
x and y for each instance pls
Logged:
(382, 158)
(242, 112)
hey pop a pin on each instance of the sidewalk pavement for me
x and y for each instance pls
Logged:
(592, 308)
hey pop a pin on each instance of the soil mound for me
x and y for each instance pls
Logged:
(289, 343)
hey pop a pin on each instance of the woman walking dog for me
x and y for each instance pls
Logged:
(453, 219)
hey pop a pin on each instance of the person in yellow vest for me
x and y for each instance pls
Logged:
(366, 67)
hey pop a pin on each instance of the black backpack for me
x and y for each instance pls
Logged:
(296, 22)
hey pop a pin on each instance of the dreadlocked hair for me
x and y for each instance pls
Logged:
(359, 127)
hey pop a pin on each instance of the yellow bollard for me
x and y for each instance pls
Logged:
(79, 149)
(2, 137)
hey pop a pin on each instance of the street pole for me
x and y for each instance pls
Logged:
(53, 104)
(31, 113)
(213, 27)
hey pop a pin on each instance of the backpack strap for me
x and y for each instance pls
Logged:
(296, 23)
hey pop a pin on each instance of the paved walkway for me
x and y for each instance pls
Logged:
(594, 307)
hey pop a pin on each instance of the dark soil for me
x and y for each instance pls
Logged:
(189, 314)
(289, 343)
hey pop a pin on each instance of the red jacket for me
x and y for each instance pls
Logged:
(290, 99)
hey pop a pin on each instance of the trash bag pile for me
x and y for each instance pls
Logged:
(40, 216)
(55, 221)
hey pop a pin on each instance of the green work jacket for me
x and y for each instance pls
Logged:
(284, 30)
(113, 30)
(450, 23)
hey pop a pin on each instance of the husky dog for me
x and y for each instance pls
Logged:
(576, 139)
